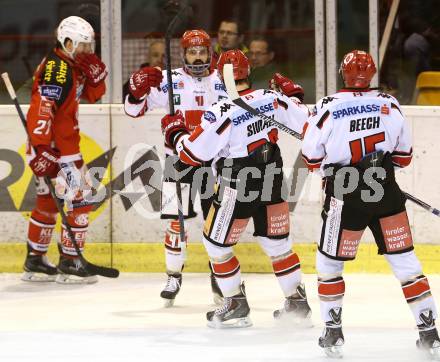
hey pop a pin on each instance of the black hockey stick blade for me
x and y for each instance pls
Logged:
(91, 268)
(228, 77)
(423, 204)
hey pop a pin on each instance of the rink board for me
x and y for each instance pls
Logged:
(149, 257)
(120, 144)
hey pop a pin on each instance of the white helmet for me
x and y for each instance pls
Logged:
(76, 29)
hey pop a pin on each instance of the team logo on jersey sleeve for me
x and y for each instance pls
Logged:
(209, 116)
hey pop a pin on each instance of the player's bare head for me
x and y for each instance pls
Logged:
(357, 69)
(240, 65)
(196, 52)
(75, 36)
(229, 34)
(156, 53)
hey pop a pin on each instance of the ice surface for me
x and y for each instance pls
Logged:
(123, 320)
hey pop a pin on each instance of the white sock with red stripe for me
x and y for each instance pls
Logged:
(331, 293)
(415, 285)
(331, 285)
(225, 267)
(228, 275)
(285, 262)
(418, 295)
(173, 251)
(287, 269)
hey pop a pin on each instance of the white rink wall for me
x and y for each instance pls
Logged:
(106, 127)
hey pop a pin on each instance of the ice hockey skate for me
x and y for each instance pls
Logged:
(332, 338)
(38, 268)
(296, 309)
(71, 271)
(172, 288)
(234, 313)
(429, 340)
(217, 294)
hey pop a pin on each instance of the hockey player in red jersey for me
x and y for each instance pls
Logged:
(365, 130)
(195, 89)
(239, 144)
(69, 73)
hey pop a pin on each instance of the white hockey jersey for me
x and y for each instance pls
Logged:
(347, 125)
(192, 96)
(231, 132)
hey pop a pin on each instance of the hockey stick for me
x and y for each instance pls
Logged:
(168, 36)
(228, 75)
(91, 268)
(427, 207)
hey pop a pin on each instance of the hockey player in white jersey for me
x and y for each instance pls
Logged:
(195, 89)
(365, 130)
(241, 144)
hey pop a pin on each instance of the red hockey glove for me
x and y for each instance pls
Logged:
(45, 162)
(143, 80)
(173, 127)
(92, 67)
(286, 86)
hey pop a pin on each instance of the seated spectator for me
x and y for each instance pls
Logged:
(229, 36)
(261, 56)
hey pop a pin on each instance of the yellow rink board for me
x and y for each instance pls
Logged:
(149, 257)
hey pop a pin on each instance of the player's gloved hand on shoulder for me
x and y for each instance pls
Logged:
(287, 86)
(143, 80)
(45, 162)
(173, 127)
(92, 67)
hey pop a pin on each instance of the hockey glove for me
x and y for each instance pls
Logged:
(143, 80)
(173, 127)
(92, 67)
(69, 181)
(45, 163)
(286, 86)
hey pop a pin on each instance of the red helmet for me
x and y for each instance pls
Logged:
(196, 38)
(239, 61)
(192, 38)
(357, 69)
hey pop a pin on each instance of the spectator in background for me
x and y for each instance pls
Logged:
(261, 56)
(229, 36)
(156, 54)
(155, 57)
(417, 49)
